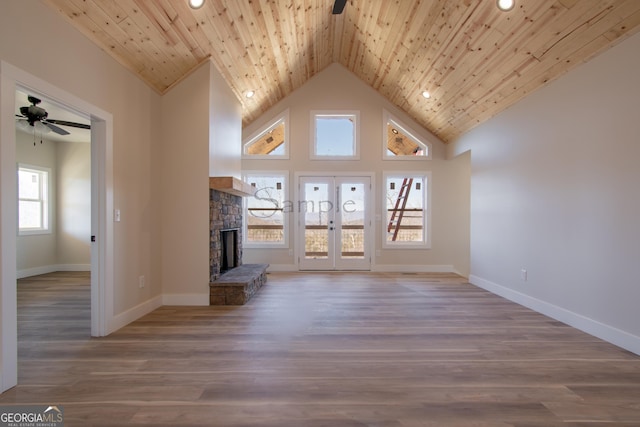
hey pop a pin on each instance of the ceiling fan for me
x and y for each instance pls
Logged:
(338, 6)
(37, 117)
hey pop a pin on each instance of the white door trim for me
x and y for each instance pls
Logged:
(12, 77)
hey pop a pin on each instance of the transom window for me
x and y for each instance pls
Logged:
(33, 199)
(271, 141)
(406, 207)
(401, 143)
(335, 135)
(266, 224)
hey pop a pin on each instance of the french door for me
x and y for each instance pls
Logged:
(334, 223)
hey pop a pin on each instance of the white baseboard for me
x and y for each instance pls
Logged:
(396, 268)
(382, 268)
(282, 267)
(134, 313)
(185, 299)
(36, 271)
(592, 327)
(73, 267)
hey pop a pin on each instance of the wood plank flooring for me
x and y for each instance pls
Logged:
(321, 349)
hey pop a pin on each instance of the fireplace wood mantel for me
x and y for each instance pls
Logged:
(231, 185)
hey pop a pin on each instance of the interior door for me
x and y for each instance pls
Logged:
(334, 226)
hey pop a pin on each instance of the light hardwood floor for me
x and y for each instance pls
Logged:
(322, 349)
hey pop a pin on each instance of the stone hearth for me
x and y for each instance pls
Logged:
(237, 286)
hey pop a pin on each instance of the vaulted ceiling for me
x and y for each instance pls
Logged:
(474, 59)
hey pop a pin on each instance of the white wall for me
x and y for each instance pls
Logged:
(336, 88)
(554, 190)
(73, 166)
(201, 127)
(184, 182)
(225, 128)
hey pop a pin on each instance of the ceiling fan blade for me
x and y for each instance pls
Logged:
(338, 6)
(72, 124)
(55, 128)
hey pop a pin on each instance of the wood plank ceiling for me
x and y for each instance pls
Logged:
(474, 59)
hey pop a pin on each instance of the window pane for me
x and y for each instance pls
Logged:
(28, 184)
(335, 136)
(405, 209)
(265, 217)
(270, 143)
(29, 215)
(352, 210)
(316, 212)
(32, 199)
(401, 143)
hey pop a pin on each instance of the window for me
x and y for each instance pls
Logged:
(407, 210)
(401, 143)
(266, 224)
(335, 135)
(33, 200)
(271, 141)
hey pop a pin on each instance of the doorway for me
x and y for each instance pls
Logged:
(335, 225)
(102, 319)
(54, 187)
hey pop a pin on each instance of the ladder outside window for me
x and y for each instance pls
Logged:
(397, 213)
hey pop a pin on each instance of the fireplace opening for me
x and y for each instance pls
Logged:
(229, 249)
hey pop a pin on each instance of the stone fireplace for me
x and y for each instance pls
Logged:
(225, 228)
(230, 281)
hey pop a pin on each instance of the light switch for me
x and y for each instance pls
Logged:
(116, 215)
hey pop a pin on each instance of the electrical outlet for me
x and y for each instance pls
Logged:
(523, 275)
(141, 282)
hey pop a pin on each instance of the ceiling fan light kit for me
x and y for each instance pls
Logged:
(37, 118)
(40, 127)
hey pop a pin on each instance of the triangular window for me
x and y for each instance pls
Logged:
(401, 143)
(271, 141)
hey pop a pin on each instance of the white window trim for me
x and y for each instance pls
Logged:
(48, 200)
(335, 113)
(426, 176)
(386, 117)
(272, 124)
(285, 215)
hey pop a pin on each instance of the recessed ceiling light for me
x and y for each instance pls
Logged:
(394, 130)
(196, 4)
(505, 5)
(426, 94)
(249, 93)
